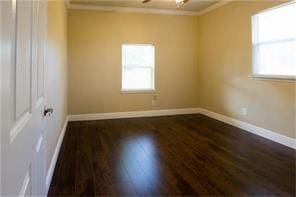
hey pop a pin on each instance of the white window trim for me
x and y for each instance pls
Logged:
(254, 27)
(273, 77)
(139, 91)
(142, 90)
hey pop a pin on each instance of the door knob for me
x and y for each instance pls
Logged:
(47, 111)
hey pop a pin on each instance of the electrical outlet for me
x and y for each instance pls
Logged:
(244, 111)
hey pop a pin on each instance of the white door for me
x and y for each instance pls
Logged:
(23, 31)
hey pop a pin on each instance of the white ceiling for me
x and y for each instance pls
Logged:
(192, 5)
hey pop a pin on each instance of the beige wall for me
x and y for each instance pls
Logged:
(56, 73)
(94, 52)
(200, 62)
(224, 67)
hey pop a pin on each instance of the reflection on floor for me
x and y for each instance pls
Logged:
(176, 155)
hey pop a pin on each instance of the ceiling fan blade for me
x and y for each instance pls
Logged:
(145, 1)
(185, 1)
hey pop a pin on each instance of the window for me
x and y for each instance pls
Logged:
(274, 42)
(137, 67)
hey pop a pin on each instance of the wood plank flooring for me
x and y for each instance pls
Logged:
(174, 155)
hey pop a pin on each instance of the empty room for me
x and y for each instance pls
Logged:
(148, 98)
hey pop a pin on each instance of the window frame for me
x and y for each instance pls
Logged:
(254, 30)
(142, 90)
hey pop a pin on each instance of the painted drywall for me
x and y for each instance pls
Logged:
(94, 53)
(201, 61)
(225, 62)
(56, 73)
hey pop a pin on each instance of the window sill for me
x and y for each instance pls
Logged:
(152, 91)
(273, 77)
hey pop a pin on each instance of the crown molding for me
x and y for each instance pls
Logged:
(131, 10)
(146, 10)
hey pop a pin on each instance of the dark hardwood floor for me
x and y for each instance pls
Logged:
(175, 155)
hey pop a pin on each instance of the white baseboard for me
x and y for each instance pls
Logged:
(55, 155)
(133, 114)
(271, 135)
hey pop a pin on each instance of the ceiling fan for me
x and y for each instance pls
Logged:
(178, 2)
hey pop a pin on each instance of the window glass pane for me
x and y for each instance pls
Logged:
(277, 24)
(137, 78)
(276, 58)
(138, 55)
(274, 41)
(137, 67)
